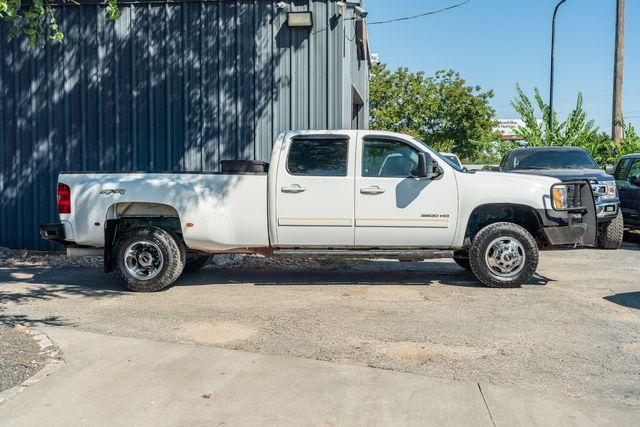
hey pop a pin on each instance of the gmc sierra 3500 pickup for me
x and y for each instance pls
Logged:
(363, 193)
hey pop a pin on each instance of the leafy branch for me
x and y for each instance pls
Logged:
(442, 110)
(576, 130)
(37, 22)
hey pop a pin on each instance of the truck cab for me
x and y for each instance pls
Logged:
(360, 189)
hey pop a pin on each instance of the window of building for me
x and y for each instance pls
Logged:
(385, 158)
(318, 157)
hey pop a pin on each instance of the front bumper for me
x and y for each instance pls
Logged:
(576, 234)
(607, 210)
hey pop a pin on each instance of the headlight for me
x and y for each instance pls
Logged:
(611, 191)
(604, 190)
(559, 197)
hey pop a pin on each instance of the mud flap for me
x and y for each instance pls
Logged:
(110, 233)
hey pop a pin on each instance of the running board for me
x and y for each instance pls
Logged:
(75, 252)
(374, 253)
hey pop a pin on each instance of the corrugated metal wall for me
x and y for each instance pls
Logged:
(169, 86)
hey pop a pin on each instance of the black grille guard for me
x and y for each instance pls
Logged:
(582, 212)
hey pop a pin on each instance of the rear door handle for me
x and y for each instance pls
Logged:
(294, 189)
(372, 190)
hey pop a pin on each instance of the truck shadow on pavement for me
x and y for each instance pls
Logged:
(25, 285)
(415, 274)
(631, 241)
(627, 299)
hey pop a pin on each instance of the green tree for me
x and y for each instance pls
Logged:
(441, 110)
(38, 22)
(605, 150)
(576, 130)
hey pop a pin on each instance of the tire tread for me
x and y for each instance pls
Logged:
(611, 235)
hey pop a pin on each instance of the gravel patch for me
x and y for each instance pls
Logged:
(20, 357)
(25, 258)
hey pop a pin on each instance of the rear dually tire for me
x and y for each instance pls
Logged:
(148, 259)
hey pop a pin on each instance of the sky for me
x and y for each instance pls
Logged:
(498, 43)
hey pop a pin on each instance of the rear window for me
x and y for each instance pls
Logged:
(577, 159)
(318, 157)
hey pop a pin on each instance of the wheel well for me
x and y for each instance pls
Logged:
(125, 216)
(522, 215)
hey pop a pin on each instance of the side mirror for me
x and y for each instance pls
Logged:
(634, 180)
(427, 167)
(610, 169)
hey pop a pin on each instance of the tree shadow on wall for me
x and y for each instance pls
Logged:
(167, 87)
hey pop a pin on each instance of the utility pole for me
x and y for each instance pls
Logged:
(551, 74)
(618, 68)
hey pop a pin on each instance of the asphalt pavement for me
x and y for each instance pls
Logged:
(571, 336)
(130, 381)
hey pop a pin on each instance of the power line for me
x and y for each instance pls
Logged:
(624, 117)
(420, 15)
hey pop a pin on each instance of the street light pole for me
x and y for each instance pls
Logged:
(553, 48)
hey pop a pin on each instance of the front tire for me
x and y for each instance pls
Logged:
(503, 255)
(610, 235)
(148, 259)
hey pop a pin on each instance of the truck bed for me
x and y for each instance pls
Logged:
(223, 211)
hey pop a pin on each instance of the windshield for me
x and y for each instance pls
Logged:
(576, 159)
(450, 162)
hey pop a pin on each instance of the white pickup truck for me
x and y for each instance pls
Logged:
(353, 193)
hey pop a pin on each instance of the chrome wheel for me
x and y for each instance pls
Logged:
(505, 257)
(143, 260)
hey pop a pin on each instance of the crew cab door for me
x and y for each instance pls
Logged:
(314, 191)
(393, 207)
(629, 190)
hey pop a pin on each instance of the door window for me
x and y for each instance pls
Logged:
(621, 170)
(388, 159)
(634, 171)
(503, 163)
(318, 157)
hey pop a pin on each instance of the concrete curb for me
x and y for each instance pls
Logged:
(54, 361)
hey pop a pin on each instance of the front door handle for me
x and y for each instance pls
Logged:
(294, 189)
(372, 190)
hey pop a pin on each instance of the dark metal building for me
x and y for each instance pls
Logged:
(170, 86)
